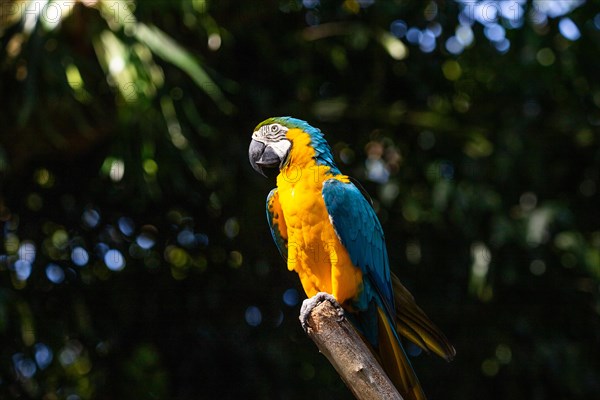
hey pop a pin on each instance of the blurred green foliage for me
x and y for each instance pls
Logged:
(135, 260)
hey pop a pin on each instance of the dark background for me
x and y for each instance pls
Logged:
(135, 259)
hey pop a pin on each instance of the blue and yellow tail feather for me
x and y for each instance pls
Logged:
(395, 362)
(413, 324)
(407, 320)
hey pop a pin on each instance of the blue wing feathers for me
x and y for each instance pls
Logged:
(359, 230)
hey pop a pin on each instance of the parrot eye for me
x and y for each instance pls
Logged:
(272, 132)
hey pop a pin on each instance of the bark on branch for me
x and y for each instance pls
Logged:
(340, 343)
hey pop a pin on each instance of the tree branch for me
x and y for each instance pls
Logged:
(340, 343)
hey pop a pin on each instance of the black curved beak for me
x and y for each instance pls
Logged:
(262, 156)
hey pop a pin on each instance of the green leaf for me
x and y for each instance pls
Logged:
(166, 48)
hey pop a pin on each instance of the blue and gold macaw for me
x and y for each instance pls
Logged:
(329, 234)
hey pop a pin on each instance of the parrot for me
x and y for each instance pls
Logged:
(326, 229)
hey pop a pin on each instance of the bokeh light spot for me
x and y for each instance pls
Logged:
(176, 256)
(568, 29)
(291, 297)
(414, 35)
(451, 70)
(447, 170)
(214, 41)
(495, 32)
(79, 256)
(69, 354)
(411, 212)
(90, 218)
(427, 43)
(502, 46)
(116, 65)
(145, 241)
(22, 269)
(556, 8)
(503, 354)
(60, 239)
(312, 18)
(24, 366)
(413, 350)
(54, 273)
(597, 21)
(528, 201)
(279, 319)
(465, 35)
(413, 252)
(43, 355)
(545, 57)
(481, 259)
(490, 367)
(27, 251)
(377, 170)
(431, 11)
(398, 28)
(114, 260)
(537, 267)
(11, 243)
(150, 167)
(126, 226)
(232, 228)
(310, 3)
(347, 155)
(235, 259)
(253, 316)
(34, 202)
(435, 28)
(186, 238)
(117, 170)
(389, 192)
(44, 178)
(394, 46)
(202, 239)
(454, 46)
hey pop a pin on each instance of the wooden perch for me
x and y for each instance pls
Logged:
(340, 343)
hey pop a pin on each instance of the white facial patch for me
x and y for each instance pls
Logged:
(273, 135)
(269, 134)
(281, 148)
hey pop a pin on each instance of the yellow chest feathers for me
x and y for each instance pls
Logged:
(314, 250)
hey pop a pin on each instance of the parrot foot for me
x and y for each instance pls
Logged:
(309, 305)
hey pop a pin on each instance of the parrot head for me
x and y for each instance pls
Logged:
(269, 147)
(273, 139)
